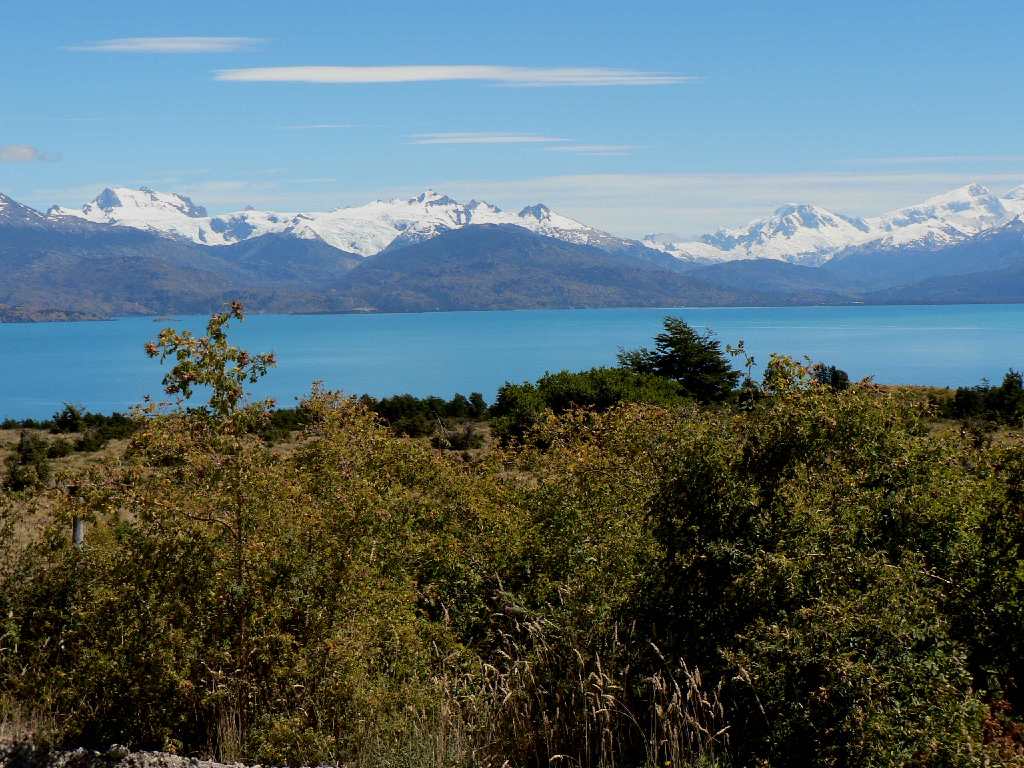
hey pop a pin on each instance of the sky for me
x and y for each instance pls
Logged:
(635, 117)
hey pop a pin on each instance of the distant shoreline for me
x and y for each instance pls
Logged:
(85, 317)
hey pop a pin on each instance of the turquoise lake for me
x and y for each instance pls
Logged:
(102, 366)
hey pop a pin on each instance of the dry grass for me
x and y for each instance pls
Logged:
(553, 703)
(20, 725)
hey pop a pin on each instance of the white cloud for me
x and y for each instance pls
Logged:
(481, 138)
(520, 76)
(597, 150)
(21, 153)
(170, 45)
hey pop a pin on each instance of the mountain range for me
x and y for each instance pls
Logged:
(812, 235)
(140, 251)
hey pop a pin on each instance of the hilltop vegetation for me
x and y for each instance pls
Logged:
(655, 567)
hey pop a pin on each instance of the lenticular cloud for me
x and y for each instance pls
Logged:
(521, 76)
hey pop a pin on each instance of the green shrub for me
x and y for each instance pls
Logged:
(519, 407)
(59, 448)
(816, 578)
(28, 466)
(1002, 404)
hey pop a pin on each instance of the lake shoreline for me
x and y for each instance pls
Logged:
(77, 317)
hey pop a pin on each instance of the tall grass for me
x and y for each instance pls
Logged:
(551, 702)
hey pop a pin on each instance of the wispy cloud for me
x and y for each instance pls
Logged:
(597, 150)
(22, 153)
(320, 126)
(911, 160)
(482, 138)
(518, 76)
(169, 45)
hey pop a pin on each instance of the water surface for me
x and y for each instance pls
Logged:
(102, 366)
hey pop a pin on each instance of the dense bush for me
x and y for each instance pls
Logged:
(28, 465)
(818, 578)
(519, 407)
(830, 376)
(421, 416)
(95, 430)
(1001, 404)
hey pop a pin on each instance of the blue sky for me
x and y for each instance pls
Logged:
(703, 114)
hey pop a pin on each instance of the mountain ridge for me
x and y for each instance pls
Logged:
(421, 256)
(812, 235)
(801, 233)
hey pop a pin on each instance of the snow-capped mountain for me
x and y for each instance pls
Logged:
(1013, 200)
(805, 234)
(364, 230)
(810, 235)
(801, 234)
(14, 213)
(171, 215)
(940, 220)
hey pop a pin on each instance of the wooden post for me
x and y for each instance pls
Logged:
(78, 532)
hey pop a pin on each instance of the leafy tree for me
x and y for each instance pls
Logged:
(68, 420)
(477, 406)
(1004, 403)
(830, 376)
(694, 360)
(517, 408)
(210, 361)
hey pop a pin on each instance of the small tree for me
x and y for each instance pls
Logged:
(219, 458)
(478, 406)
(829, 376)
(694, 360)
(210, 361)
(68, 420)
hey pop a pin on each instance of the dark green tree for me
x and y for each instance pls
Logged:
(693, 359)
(70, 419)
(828, 375)
(478, 406)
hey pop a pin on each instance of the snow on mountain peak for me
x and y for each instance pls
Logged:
(362, 229)
(799, 233)
(482, 205)
(165, 213)
(968, 197)
(809, 234)
(430, 197)
(537, 211)
(1013, 201)
(145, 198)
(13, 212)
(942, 219)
